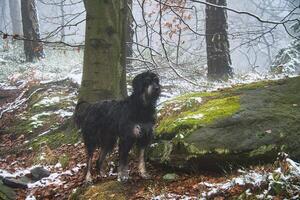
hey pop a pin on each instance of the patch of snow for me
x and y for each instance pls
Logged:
(44, 133)
(171, 196)
(30, 197)
(48, 101)
(76, 78)
(197, 99)
(54, 178)
(153, 145)
(58, 165)
(18, 173)
(252, 177)
(196, 116)
(63, 113)
(5, 86)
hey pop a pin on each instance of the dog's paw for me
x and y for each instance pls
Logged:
(137, 131)
(145, 175)
(88, 179)
(123, 177)
(102, 174)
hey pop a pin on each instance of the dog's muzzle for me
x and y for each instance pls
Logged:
(154, 89)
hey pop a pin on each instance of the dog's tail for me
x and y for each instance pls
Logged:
(80, 113)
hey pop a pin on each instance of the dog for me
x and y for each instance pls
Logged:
(128, 122)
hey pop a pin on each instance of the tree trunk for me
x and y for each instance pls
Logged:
(129, 32)
(217, 44)
(62, 12)
(3, 13)
(15, 14)
(32, 47)
(103, 68)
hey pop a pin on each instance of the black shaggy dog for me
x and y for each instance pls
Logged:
(130, 120)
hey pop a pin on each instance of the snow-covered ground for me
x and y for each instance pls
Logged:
(68, 63)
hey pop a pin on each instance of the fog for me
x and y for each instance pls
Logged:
(242, 28)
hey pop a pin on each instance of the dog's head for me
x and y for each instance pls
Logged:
(146, 85)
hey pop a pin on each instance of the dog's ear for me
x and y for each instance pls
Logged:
(137, 85)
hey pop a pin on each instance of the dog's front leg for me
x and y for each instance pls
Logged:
(124, 148)
(142, 167)
(88, 176)
(102, 155)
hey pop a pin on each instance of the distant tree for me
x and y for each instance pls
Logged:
(32, 47)
(15, 14)
(217, 44)
(62, 11)
(103, 68)
(128, 32)
(3, 17)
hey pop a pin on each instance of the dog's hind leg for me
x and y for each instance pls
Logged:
(88, 176)
(124, 148)
(103, 153)
(141, 166)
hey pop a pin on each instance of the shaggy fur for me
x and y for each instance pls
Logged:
(130, 120)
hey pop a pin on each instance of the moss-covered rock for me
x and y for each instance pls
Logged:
(111, 190)
(7, 193)
(241, 125)
(47, 117)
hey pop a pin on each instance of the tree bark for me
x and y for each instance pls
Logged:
(104, 75)
(15, 15)
(217, 44)
(32, 47)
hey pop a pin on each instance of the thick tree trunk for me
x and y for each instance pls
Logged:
(103, 68)
(32, 47)
(217, 44)
(15, 15)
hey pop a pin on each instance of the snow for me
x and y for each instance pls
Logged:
(30, 197)
(281, 177)
(251, 177)
(195, 116)
(53, 179)
(58, 165)
(172, 196)
(64, 113)
(18, 173)
(44, 133)
(48, 101)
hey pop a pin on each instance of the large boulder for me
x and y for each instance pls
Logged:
(230, 127)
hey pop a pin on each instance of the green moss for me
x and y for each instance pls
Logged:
(111, 190)
(198, 116)
(56, 138)
(253, 86)
(161, 150)
(64, 160)
(262, 150)
(195, 95)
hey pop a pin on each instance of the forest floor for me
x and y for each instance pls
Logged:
(67, 173)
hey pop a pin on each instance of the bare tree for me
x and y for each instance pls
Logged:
(217, 44)
(15, 14)
(33, 48)
(62, 32)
